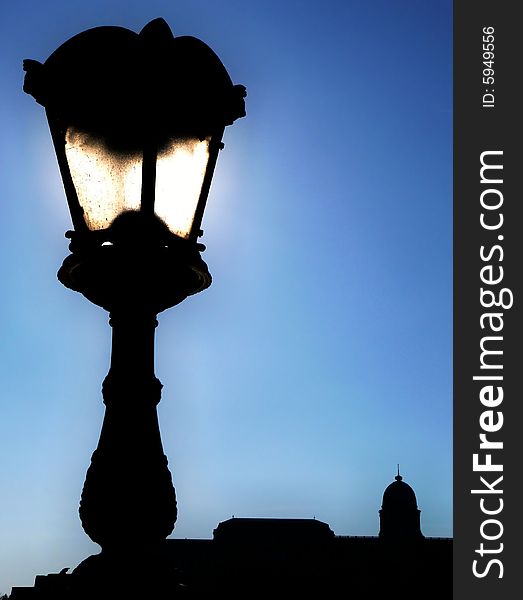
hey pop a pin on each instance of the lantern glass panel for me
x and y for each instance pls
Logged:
(107, 182)
(180, 172)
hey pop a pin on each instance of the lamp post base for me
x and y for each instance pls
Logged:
(128, 500)
(137, 572)
(107, 576)
(128, 497)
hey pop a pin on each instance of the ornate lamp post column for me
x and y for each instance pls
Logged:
(137, 122)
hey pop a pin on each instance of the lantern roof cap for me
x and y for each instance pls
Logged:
(111, 78)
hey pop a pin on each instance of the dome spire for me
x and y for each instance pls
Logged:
(398, 476)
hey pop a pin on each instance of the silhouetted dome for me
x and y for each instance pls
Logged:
(399, 496)
(399, 514)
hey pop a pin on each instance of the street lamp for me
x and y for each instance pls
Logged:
(137, 122)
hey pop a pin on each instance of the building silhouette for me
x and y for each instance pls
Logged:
(289, 558)
(399, 514)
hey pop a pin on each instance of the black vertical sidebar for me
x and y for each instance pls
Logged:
(488, 300)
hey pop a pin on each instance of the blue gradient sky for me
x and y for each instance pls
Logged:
(321, 355)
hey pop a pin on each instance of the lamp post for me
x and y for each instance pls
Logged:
(137, 122)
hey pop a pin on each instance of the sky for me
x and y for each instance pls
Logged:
(320, 357)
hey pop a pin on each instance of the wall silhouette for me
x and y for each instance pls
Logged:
(281, 558)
